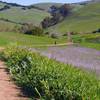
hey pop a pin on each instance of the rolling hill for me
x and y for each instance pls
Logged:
(85, 18)
(45, 6)
(17, 14)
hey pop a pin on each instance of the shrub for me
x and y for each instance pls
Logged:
(27, 28)
(31, 30)
(96, 31)
(47, 79)
(54, 35)
(46, 33)
(37, 31)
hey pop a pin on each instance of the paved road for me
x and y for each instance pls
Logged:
(78, 56)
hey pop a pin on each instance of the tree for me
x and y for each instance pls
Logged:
(37, 31)
(27, 28)
(65, 9)
(46, 22)
(32, 30)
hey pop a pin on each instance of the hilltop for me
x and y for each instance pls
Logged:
(46, 6)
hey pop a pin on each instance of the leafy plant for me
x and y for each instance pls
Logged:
(47, 79)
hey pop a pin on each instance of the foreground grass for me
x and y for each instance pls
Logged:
(47, 79)
(7, 38)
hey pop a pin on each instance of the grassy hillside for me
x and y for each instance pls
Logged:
(85, 19)
(23, 16)
(7, 26)
(17, 14)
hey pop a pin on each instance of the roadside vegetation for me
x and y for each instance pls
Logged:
(45, 79)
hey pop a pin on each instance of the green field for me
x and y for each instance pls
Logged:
(88, 40)
(7, 38)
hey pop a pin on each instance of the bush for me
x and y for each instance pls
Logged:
(54, 35)
(47, 79)
(27, 29)
(31, 30)
(37, 31)
(96, 31)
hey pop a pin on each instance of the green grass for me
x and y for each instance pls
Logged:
(45, 6)
(45, 79)
(88, 40)
(91, 45)
(7, 38)
(7, 26)
(85, 19)
(18, 15)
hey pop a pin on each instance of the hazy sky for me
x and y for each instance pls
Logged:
(28, 2)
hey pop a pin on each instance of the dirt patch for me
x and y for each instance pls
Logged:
(8, 90)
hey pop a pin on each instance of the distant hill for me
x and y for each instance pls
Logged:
(11, 4)
(94, 1)
(83, 19)
(18, 14)
(89, 1)
(45, 6)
